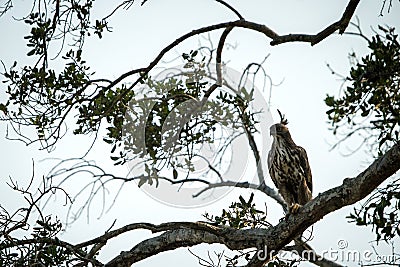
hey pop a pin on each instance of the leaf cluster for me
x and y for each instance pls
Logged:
(172, 118)
(18, 253)
(242, 214)
(40, 97)
(382, 212)
(373, 94)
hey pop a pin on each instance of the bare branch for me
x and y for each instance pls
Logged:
(231, 8)
(263, 188)
(5, 7)
(340, 25)
(239, 23)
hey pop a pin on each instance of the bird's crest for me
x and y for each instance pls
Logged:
(283, 120)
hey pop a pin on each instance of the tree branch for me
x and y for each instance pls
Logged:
(340, 25)
(263, 188)
(239, 23)
(153, 228)
(351, 191)
(276, 39)
(167, 241)
(231, 8)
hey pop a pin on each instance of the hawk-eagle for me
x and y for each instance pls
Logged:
(289, 168)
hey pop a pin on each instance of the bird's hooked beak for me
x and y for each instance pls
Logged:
(272, 130)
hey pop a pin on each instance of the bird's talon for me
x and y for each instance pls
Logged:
(294, 208)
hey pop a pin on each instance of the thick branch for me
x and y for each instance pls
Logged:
(153, 228)
(351, 191)
(167, 241)
(273, 238)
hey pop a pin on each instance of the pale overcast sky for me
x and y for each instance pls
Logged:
(140, 33)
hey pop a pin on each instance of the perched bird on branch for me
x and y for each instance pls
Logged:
(289, 168)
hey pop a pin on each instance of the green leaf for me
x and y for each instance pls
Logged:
(142, 181)
(175, 174)
(242, 201)
(113, 148)
(30, 53)
(3, 108)
(330, 101)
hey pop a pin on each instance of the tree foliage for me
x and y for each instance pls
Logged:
(240, 214)
(370, 105)
(169, 119)
(381, 211)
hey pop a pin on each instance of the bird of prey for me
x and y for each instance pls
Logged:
(289, 168)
